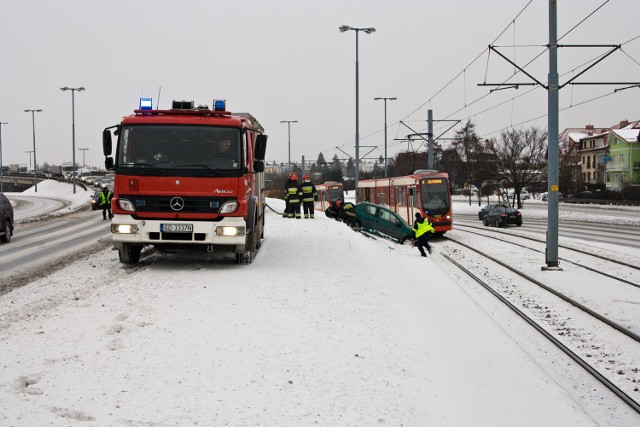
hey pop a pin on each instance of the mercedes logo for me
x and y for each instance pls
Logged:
(177, 204)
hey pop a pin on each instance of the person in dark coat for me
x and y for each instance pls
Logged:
(309, 194)
(333, 210)
(287, 183)
(422, 230)
(105, 202)
(293, 196)
(348, 214)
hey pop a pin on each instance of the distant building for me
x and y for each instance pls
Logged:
(623, 160)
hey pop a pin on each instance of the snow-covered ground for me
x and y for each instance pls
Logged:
(326, 327)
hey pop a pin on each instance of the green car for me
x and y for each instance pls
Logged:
(385, 222)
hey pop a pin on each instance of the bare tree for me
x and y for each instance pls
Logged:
(520, 158)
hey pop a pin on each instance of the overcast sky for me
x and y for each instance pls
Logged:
(286, 60)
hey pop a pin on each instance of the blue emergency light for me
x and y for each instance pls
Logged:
(219, 105)
(146, 104)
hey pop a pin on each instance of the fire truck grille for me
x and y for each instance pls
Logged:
(180, 204)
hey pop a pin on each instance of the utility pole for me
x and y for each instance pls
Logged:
(385, 128)
(1, 171)
(83, 150)
(553, 87)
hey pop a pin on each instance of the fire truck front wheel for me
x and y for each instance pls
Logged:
(129, 254)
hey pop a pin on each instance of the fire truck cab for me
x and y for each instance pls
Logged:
(188, 178)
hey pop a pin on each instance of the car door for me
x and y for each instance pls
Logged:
(388, 223)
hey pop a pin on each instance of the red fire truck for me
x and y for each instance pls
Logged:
(188, 178)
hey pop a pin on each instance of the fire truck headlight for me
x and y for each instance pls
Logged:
(126, 205)
(229, 231)
(124, 228)
(229, 207)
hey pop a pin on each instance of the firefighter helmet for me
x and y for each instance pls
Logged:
(293, 176)
(306, 177)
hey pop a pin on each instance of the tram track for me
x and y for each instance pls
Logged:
(565, 259)
(581, 332)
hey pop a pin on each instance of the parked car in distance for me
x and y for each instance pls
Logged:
(487, 208)
(6, 219)
(501, 216)
(383, 221)
(524, 195)
(545, 195)
(95, 201)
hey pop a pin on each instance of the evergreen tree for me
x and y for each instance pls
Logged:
(351, 169)
(321, 162)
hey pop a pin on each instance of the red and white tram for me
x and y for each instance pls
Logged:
(425, 191)
(328, 192)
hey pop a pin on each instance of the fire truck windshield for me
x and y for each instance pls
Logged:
(165, 148)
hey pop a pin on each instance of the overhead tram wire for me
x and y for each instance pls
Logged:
(471, 63)
(512, 22)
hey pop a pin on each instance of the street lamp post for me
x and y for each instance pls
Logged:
(29, 152)
(369, 30)
(83, 150)
(73, 129)
(35, 163)
(288, 122)
(385, 128)
(1, 171)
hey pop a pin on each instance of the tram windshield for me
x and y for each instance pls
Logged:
(435, 196)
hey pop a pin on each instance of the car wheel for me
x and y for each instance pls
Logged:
(497, 224)
(519, 224)
(485, 223)
(8, 231)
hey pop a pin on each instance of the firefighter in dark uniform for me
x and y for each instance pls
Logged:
(348, 214)
(308, 196)
(333, 210)
(293, 196)
(422, 229)
(286, 198)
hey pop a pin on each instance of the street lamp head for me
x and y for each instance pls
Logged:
(79, 89)
(32, 111)
(344, 28)
(369, 30)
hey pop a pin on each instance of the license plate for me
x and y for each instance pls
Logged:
(176, 228)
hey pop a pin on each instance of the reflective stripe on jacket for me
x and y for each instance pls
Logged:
(105, 200)
(422, 226)
(293, 194)
(308, 192)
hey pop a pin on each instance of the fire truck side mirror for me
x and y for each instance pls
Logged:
(261, 147)
(106, 142)
(258, 166)
(108, 163)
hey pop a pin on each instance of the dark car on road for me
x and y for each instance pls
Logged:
(6, 219)
(501, 216)
(95, 201)
(487, 208)
(383, 221)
